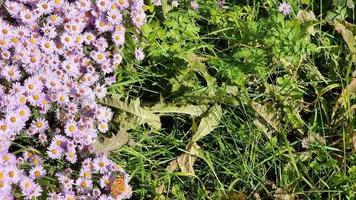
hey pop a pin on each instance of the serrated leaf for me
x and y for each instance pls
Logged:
(186, 160)
(208, 123)
(196, 63)
(111, 144)
(141, 115)
(268, 117)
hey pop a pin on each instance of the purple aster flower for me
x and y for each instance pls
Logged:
(194, 4)
(284, 8)
(37, 172)
(175, 3)
(139, 54)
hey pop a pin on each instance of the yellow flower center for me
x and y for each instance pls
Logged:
(22, 100)
(102, 126)
(3, 127)
(27, 185)
(71, 128)
(39, 124)
(86, 175)
(33, 59)
(62, 98)
(13, 119)
(32, 40)
(36, 97)
(11, 73)
(71, 154)
(22, 113)
(6, 158)
(31, 86)
(101, 164)
(83, 184)
(14, 39)
(54, 151)
(47, 45)
(53, 18)
(35, 161)
(37, 173)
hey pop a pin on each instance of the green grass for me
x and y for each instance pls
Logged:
(281, 83)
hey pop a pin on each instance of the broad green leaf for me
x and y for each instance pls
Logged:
(186, 160)
(141, 115)
(196, 63)
(111, 144)
(208, 123)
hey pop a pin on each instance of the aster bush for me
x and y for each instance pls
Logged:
(57, 59)
(177, 99)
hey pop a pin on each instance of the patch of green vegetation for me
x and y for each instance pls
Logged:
(284, 89)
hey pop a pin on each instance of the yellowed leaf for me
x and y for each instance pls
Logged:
(281, 194)
(268, 117)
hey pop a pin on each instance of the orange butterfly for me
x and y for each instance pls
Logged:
(118, 186)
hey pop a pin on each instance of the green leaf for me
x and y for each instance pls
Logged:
(165, 7)
(141, 115)
(111, 144)
(208, 123)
